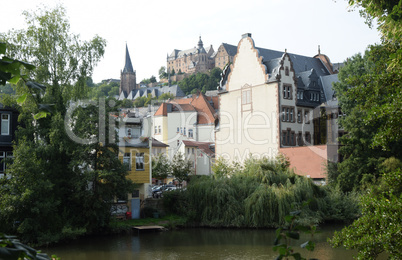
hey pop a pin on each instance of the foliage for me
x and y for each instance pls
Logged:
(126, 103)
(161, 167)
(201, 81)
(104, 89)
(260, 194)
(292, 231)
(372, 123)
(162, 73)
(62, 60)
(181, 168)
(12, 249)
(66, 171)
(387, 13)
(152, 79)
(379, 228)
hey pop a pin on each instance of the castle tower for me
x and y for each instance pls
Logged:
(127, 76)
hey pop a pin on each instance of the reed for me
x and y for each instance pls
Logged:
(260, 194)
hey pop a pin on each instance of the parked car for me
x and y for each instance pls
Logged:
(158, 191)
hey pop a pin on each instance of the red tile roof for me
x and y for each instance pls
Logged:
(200, 103)
(307, 160)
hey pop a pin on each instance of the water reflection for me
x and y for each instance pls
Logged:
(194, 244)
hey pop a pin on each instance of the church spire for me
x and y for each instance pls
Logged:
(128, 67)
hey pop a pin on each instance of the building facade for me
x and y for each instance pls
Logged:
(8, 126)
(190, 120)
(197, 59)
(270, 101)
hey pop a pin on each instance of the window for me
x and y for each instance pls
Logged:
(286, 71)
(156, 130)
(292, 138)
(246, 97)
(306, 117)
(3, 159)
(299, 116)
(127, 160)
(139, 161)
(283, 114)
(291, 114)
(129, 132)
(190, 133)
(287, 91)
(308, 138)
(159, 129)
(184, 131)
(178, 129)
(181, 130)
(284, 138)
(5, 124)
(300, 139)
(178, 142)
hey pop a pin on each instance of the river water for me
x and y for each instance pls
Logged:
(194, 244)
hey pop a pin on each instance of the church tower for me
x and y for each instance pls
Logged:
(127, 76)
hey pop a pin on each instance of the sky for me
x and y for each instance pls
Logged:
(152, 29)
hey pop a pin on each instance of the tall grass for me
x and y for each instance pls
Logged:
(260, 194)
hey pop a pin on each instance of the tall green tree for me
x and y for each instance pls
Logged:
(181, 168)
(370, 94)
(161, 167)
(66, 171)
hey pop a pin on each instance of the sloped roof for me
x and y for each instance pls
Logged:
(327, 82)
(205, 147)
(307, 160)
(156, 143)
(205, 112)
(230, 49)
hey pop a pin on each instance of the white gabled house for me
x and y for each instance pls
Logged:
(273, 101)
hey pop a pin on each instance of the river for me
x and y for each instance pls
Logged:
(198, 243)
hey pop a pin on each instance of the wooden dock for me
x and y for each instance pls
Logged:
(149, 228)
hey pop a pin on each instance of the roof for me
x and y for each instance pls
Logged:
(307, 160)
(230, 49)
(128, 67)
(205, 147)
(156, 143)
(204, 106)
(329, 92)
(175, 90)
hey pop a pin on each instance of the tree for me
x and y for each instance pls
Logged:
(201, 82)
(379, 228)
(66, 171)
(181, 168)
(166, 96)
(162, 73)
(161, 167)
(370, 95)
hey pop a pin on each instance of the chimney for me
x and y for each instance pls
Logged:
(246, 35)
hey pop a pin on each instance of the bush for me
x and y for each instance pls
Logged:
(260, 194)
